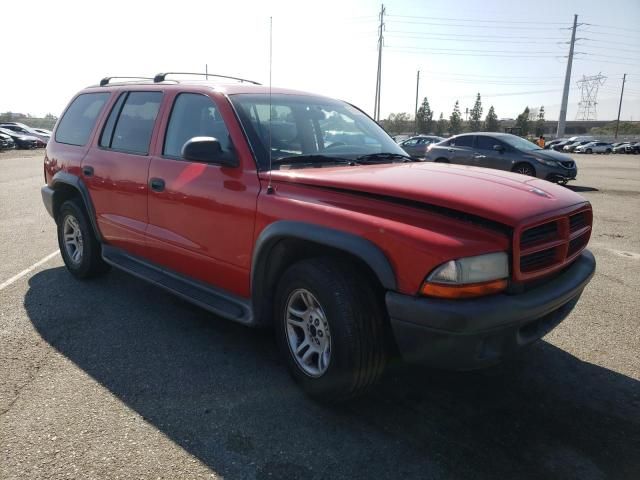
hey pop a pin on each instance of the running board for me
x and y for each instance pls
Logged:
(218, 302)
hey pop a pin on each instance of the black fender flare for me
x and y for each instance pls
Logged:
(66, 178)
(357, 246)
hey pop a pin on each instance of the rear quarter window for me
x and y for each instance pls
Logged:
(78, 121)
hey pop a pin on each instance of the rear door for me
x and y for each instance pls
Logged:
(461, 150)
(201, 216)
(115, 169)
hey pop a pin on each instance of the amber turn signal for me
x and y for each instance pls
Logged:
(470, 290)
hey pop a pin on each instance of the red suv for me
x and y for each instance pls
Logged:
(286, 209)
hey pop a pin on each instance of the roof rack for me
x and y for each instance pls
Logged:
(162, 76)
(107, 80)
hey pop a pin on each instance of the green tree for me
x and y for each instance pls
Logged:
(491, 123)
(523, 122)
(425, 117)
(475, 115)
(455, 120)
(441, 125)
(540, 122)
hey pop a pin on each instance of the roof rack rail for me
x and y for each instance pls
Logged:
(162, 76)
(107, 80)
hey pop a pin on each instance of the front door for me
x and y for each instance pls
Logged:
(461, 150)
(201, 216)
(487, 156)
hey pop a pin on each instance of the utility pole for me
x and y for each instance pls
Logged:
(562, 120)
(624, 77)
(206, 71)
(416, 115)
(376, 106)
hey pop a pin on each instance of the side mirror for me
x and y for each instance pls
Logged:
(208, 150)
(498, 148)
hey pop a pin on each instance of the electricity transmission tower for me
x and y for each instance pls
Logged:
(589, 96)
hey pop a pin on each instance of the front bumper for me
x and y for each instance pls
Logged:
(476, 333)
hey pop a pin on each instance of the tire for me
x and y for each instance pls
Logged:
(441, 160)
(608, 151)
(79, 247)
(337, 308)
(524, 169)
(588, 150)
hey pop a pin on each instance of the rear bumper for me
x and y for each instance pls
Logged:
(475, 333)
(47, 198)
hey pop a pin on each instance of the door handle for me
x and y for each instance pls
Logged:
(87, 171)
(156, 184)
(477, 155)
(450, 150)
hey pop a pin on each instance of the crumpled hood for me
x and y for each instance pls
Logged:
(503, 197)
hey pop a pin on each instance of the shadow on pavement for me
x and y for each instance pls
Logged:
(219, 391)
(578, 188)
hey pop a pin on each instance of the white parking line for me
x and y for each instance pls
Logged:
(26, 271)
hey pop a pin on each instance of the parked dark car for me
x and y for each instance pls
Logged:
(632, 148)
(22, 129)
(504, 151)
(552, 143)
(6, 142)
(22, 141)
(417, 146)
(619, 147)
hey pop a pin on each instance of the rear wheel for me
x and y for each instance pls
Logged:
(78, 244)
(525, 169)
(329, 325)
(608, 151)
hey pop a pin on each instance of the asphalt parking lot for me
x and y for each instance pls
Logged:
(114, 378)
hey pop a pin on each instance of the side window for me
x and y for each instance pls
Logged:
(486, 143)
(410, 143)
(133, 122)
(78, 121)
(107, 132)
(194, 115)
(464, 141)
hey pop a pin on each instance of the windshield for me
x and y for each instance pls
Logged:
(520, 143)
(308, 126)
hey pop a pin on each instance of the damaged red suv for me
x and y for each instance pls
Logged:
(286, 209)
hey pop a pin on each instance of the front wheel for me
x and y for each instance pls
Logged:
(525, 169)
(329, 327)
(589, 151)
(608, 151)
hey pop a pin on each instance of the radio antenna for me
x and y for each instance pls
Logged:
(270, 186)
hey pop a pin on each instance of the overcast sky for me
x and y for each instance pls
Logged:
(513, 53)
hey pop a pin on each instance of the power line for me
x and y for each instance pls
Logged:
(501, 41)
(405, 50)
(613, 27)
(475, 20)
(440, 24)
(473, 35)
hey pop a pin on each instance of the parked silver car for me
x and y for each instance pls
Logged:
(595, 147)
(22, 129)
(417, 146)
(504, 151)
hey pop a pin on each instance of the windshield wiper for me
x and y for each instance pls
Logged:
(313, 159)
(378, 157)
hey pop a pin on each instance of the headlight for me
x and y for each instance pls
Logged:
(468, 277)
(549, 163)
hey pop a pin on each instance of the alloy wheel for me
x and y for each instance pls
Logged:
(308, 333)
(73, 239)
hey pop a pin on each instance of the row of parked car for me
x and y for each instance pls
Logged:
(590, 145)
(19, 135)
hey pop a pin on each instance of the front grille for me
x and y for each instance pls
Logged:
(539, 234)
(537, 260)
(577, 221)
(567, 164)
(550, 246)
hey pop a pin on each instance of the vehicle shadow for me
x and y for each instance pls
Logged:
(578, 188)
(219, 391)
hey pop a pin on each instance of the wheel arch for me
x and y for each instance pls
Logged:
(285, 242)
(66, 186)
